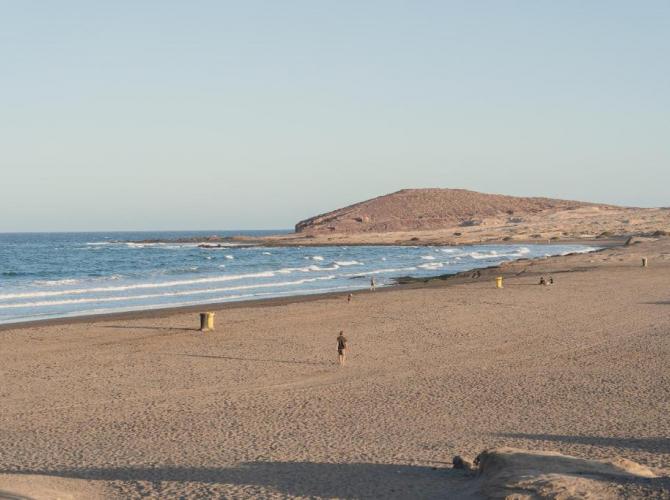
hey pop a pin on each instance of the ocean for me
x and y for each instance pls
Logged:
(52, 275)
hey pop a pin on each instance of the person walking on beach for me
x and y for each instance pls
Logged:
(341, 348)
(349, 297)
(373, 285)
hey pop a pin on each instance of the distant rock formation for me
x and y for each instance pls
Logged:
(422, 209)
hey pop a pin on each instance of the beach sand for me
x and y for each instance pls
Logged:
(148, 406)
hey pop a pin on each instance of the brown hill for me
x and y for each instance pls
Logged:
(424, 209)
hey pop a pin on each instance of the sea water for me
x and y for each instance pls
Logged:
(50, 275)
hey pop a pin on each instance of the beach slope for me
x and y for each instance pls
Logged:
(151, 407)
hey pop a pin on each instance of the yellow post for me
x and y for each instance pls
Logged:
(499, 282)
(206, 321)
(644, 262)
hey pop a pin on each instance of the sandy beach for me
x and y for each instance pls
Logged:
(147, 406)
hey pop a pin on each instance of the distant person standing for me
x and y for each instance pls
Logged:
(373, 285)
(349, 297)
(341, 348)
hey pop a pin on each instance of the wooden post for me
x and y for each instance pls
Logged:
(644, 262)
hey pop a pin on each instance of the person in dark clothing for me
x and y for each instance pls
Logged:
(342, 348)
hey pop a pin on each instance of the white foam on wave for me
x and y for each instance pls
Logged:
(348, 263)
(493, 254)
(167, 284)
(229, 257)
(138, 286)
(162, 295)
(428, 257)
(330, 268)
(289, 270)
(69, 281)
(478, 255)
(267, 253)
(431, 265)
(581, 250)
(378, 271)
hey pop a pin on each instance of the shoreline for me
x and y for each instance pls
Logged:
(401, 283)
(297, 240)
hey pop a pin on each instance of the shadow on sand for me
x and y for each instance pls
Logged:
(303, 479)
(259, 360)
(651, 445)
(157, 328)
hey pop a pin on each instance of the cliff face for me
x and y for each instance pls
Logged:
(422, 209)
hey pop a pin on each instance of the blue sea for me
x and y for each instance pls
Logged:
(51, 275)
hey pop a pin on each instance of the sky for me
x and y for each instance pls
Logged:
(147, 115)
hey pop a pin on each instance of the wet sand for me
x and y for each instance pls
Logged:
(131, 406)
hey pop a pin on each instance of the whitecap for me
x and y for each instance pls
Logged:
(477, 255)
(431, 265)
(67, 281)
(317, 268)
(378, 271)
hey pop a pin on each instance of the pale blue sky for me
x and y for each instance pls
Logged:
(213, 115)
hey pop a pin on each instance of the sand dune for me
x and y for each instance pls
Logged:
(46, 487)
(522, 474)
